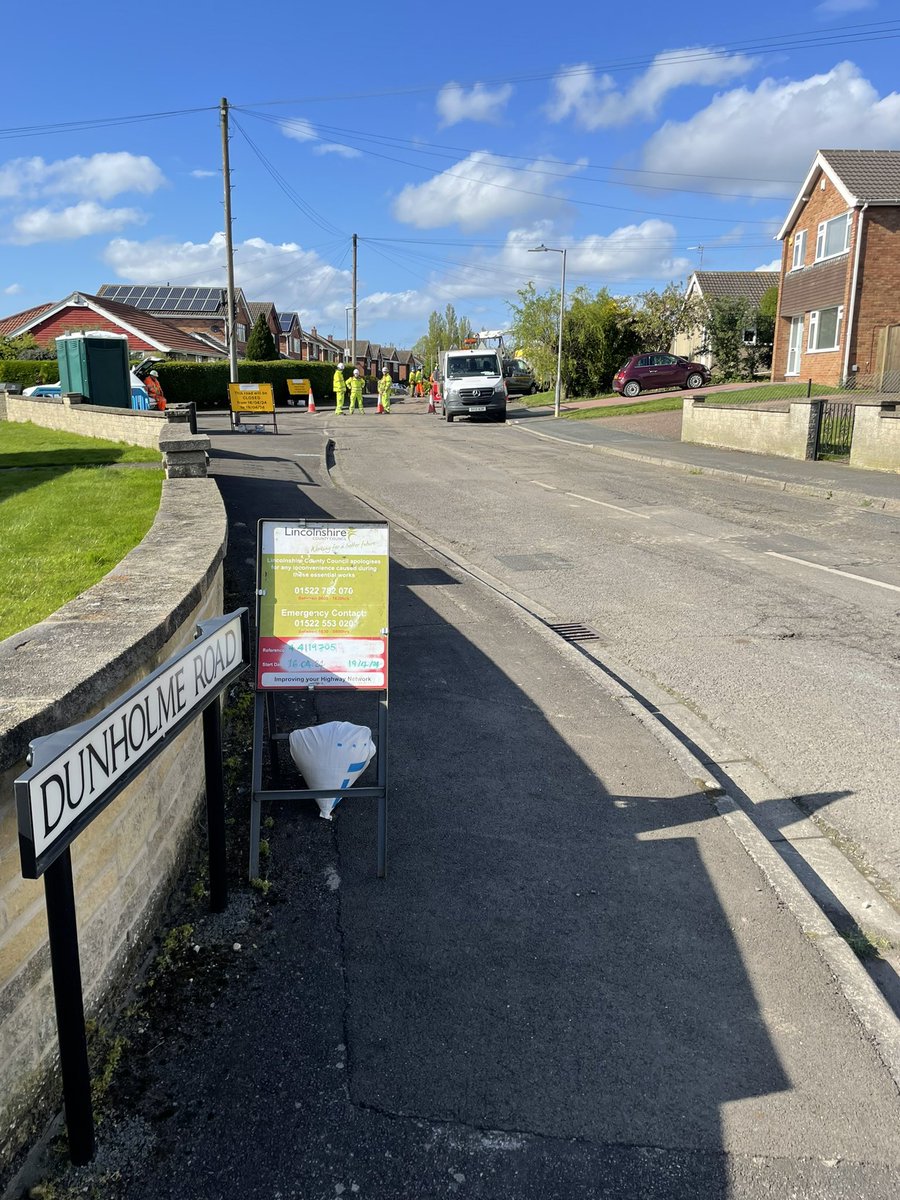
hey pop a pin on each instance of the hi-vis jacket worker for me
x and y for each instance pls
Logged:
(356, 390)
(384, 390)
(340, 386)
(154, 390)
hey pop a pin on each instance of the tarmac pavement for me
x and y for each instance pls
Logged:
(574, 983)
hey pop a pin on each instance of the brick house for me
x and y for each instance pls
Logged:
(267, 309)
(839, 298)
(199, 310)
(80, 312)
(290, 335)
(709, 286)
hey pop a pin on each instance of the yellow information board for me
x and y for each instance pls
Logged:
(299, 387)
(323, 605)
(251, 397)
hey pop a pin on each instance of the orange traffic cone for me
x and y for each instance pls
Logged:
(379, 407)
(431, 407)
(311, 402)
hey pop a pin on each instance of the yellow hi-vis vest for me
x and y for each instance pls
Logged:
(340, 383)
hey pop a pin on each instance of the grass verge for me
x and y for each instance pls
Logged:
(62, 530)
(26, 445)
(674, 401)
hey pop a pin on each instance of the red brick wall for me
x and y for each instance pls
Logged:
(75, 319)
(821, 366)
(878, 285)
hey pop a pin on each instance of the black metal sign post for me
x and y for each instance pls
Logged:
(97, 759)
(321, 625)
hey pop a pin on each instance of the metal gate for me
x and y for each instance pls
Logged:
(835, 429)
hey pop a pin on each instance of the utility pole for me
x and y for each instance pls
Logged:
(353, 350)
(229, 248)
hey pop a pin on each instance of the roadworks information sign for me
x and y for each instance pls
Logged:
(299, 387)
(251, 397)
(323, 605)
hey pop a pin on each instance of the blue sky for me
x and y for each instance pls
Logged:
(630, 134)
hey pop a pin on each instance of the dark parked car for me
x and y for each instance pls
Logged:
(649, 372)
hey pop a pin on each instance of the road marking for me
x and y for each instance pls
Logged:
(548, 486)
(892, 587)
(605, 504)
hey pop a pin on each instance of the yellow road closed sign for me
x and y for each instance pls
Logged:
(298, 387)
(251, 397)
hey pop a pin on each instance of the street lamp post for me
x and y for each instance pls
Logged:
(542, 249)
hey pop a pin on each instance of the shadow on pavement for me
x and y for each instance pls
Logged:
(545, 997)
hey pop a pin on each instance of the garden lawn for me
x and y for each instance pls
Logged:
(672, 401)
(26, 445)
(61, 530)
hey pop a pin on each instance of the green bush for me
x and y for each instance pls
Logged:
(27, 372)
(206, 384)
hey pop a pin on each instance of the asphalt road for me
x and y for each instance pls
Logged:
(710, 588)
(575, 983)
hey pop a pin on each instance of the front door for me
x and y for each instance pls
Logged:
(794, 343)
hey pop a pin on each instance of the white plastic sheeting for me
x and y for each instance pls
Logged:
(331, 755)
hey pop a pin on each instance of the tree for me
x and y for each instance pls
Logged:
(728, 323)
(446, 331)
(24, 347)
(661, 316)
(599, 334)
(535, 328)
(261, 345)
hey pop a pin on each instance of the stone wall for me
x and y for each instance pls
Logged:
(790, 434)
(55, 674)
(876, 438)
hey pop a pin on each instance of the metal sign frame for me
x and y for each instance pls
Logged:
(54, 859)
(265, 722)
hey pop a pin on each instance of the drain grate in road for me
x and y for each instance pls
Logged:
(574, 631)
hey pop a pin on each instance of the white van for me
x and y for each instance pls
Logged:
(472, 384)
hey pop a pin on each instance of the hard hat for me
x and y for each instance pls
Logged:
(340, 366)
(155, 374)
(386, 371)
(356, 370)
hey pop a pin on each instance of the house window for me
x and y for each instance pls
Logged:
(833, 237)
(749, 337)
(241, 332)
(825, 328)
(295, 345)
(799, 250)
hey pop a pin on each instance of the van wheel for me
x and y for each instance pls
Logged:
(448, 418)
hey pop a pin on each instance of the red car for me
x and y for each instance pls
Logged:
(650, 372)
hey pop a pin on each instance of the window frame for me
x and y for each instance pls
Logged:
(814, 324)
(800, 239)
(822, 237)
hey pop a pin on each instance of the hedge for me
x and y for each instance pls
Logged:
(206, 384)
(28, 371)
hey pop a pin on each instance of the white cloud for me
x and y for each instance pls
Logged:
(594, 103)
(99, 177)
(302, 130)
(479, 190)
(773, 132)
(337, 148)
(774, 265)
(77, 221)
(455, 104)
(632, 252)
(294, 278)
(201, 174)
(13, 289)
(836, 8)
